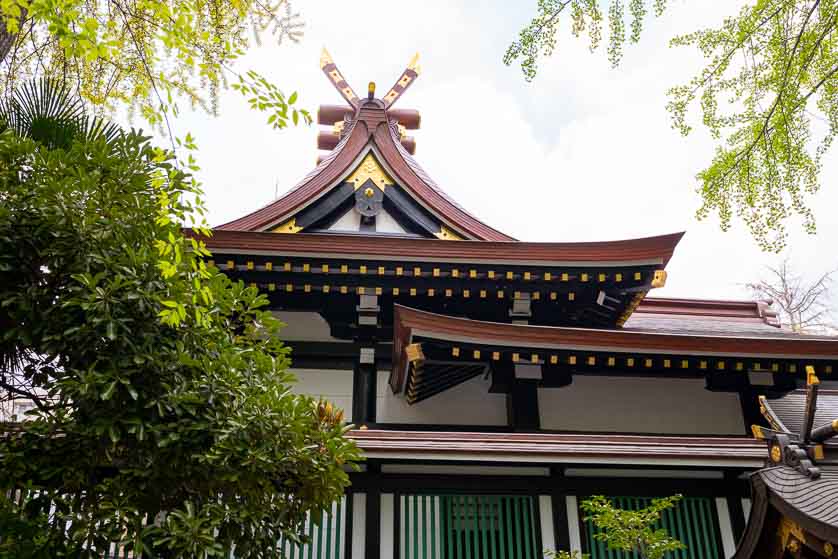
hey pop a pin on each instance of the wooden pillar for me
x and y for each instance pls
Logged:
(364, 381)
(559, 498)
(734, 504)
(522, 405)
(748, 399)
(365, 372)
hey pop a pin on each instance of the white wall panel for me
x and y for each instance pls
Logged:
(335, 386)
(466, 404)
(548, 536)
(640, 405)
(725, 527)
(304, 326)
(387, 529)
(359, 524)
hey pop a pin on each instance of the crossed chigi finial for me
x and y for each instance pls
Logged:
(408, 76)
(804, 449)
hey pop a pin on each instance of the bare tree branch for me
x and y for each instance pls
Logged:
(802, 306)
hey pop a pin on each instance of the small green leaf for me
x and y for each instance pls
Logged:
(106, 395)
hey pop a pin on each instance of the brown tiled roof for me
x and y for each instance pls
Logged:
(407, 319)
(751, 311)
(705, 326)
(650, 250)
(783, 497)
(817, 499)
(787, 411)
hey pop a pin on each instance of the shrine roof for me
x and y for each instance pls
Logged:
(795, 497)
(787, 412)
(701, 325)
(645, 251)
(369, 134)
(765, 344)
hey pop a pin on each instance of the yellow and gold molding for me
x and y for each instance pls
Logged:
(446, 234)
(289, 226)
(370, 168)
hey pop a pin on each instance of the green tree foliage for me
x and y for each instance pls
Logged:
(147, 54)
(632, 530)
(627, 530)
(164, 419)
(770, 69)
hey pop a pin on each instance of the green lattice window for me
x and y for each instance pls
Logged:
(693, 521)
(327, 539)
(468, 527)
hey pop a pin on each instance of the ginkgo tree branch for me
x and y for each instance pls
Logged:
(143, 54)
(767, 165)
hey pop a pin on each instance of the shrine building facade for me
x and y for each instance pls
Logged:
(494, 384)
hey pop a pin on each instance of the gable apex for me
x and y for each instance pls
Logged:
(368, 145)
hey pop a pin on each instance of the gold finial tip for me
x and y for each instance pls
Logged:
(414, 63)
(371, 90)
(325, 58)
(659, 279)
(811, 377)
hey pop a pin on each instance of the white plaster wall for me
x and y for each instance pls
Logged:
(350, 221)
(466, 404)
(640, 405)
(334, 386)
(386, 223)
(304, 326)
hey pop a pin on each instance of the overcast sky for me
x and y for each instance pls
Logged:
(582, 153)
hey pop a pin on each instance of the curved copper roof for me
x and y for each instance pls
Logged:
(370, 129)
(524, 335)
(649, 250)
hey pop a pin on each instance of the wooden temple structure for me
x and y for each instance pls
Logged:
(495, 383)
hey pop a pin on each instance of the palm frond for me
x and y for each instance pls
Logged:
(46, 111)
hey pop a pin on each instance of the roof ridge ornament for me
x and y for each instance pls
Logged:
(407, 77)
(331, 70)
(802, 450)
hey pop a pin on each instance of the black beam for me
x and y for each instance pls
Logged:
(328, 209)
(364, 393)
(350, 514)
(537, 485)
(559, 501)
(522, 405)
(408, 214)
(749, 400)
(734, 504)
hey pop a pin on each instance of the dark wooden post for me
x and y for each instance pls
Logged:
(365, 373)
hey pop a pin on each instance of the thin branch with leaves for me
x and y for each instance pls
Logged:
(769, 70)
